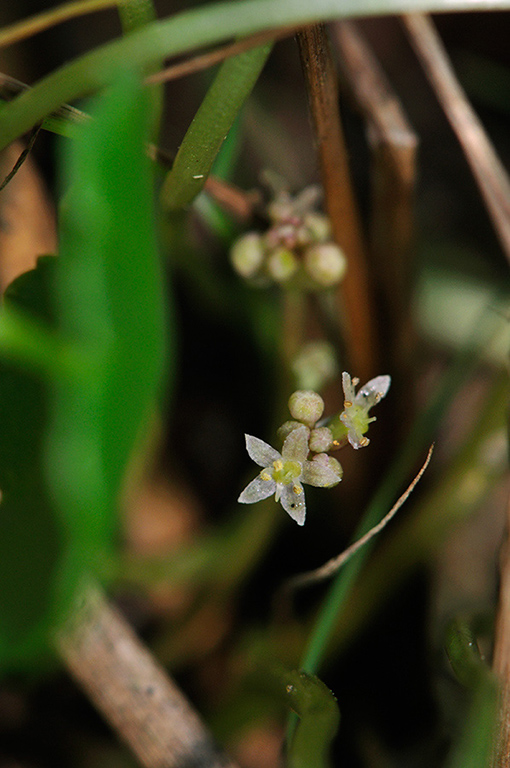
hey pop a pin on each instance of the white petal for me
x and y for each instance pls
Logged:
(321, 472)
(295, 447)
(349, 391)
(294, 503)
(373, 391)
(257, 490)
(261, 453)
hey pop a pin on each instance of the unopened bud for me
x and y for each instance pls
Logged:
(247, 254)
(320, 440)
(319, 227)
(325, 263)
(315, 365)
(306, 406)
(286, 428)
(324, 471)
(281, 264)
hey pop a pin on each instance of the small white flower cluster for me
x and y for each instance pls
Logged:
(296, 250)
(304, 457)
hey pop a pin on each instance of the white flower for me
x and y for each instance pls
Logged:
(283, 474)
(356, 406)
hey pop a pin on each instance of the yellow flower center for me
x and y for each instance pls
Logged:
(285, 472)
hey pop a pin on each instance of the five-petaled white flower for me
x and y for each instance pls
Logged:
(283, 474)
(356, 406)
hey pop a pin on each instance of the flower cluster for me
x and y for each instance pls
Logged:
(296, 250)
(306, 445)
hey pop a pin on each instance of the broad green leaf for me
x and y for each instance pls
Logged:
(109, 300)
(69, 428)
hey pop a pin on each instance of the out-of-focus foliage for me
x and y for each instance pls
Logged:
(61, 490)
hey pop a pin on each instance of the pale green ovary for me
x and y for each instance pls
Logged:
(284, 472)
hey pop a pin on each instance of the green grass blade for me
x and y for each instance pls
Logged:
(210, 126)
(190, 30)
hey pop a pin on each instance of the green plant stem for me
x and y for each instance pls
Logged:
(210, 126)
(318, 713)
(135, 14)
(475, 746)
(189, 30)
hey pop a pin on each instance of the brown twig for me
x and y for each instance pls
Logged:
(393, 145)
(332, 566)
(205, 60)
(340, 201)
(135, 695)
(22, 157)
(490, 175)
(501, 658)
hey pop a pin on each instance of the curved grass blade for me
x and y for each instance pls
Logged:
(190, 30)
(210, 126)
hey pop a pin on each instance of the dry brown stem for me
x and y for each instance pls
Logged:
(209, 59)
(501, 660)
(332, 566)
(393, 145)
(341, 206)
(132, 691)
(486, 166)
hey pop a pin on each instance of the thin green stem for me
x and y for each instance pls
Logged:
(135, 14)
(211, 124)
(475, 747)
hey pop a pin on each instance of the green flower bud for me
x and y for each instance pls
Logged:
(318, 226)
(286, 428)
(320, 440)
(281, 264)
(247, 254)
(323, 471)
(325, 263)
(306, 406)
(315, 365)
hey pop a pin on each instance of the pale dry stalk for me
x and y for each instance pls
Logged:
(135, 695)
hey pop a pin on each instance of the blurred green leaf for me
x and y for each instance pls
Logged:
(318, 713)
(110, 305)
(474, 748)
(62, 468)
(31, 539)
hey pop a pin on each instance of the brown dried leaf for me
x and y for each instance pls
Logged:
(27, 218)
